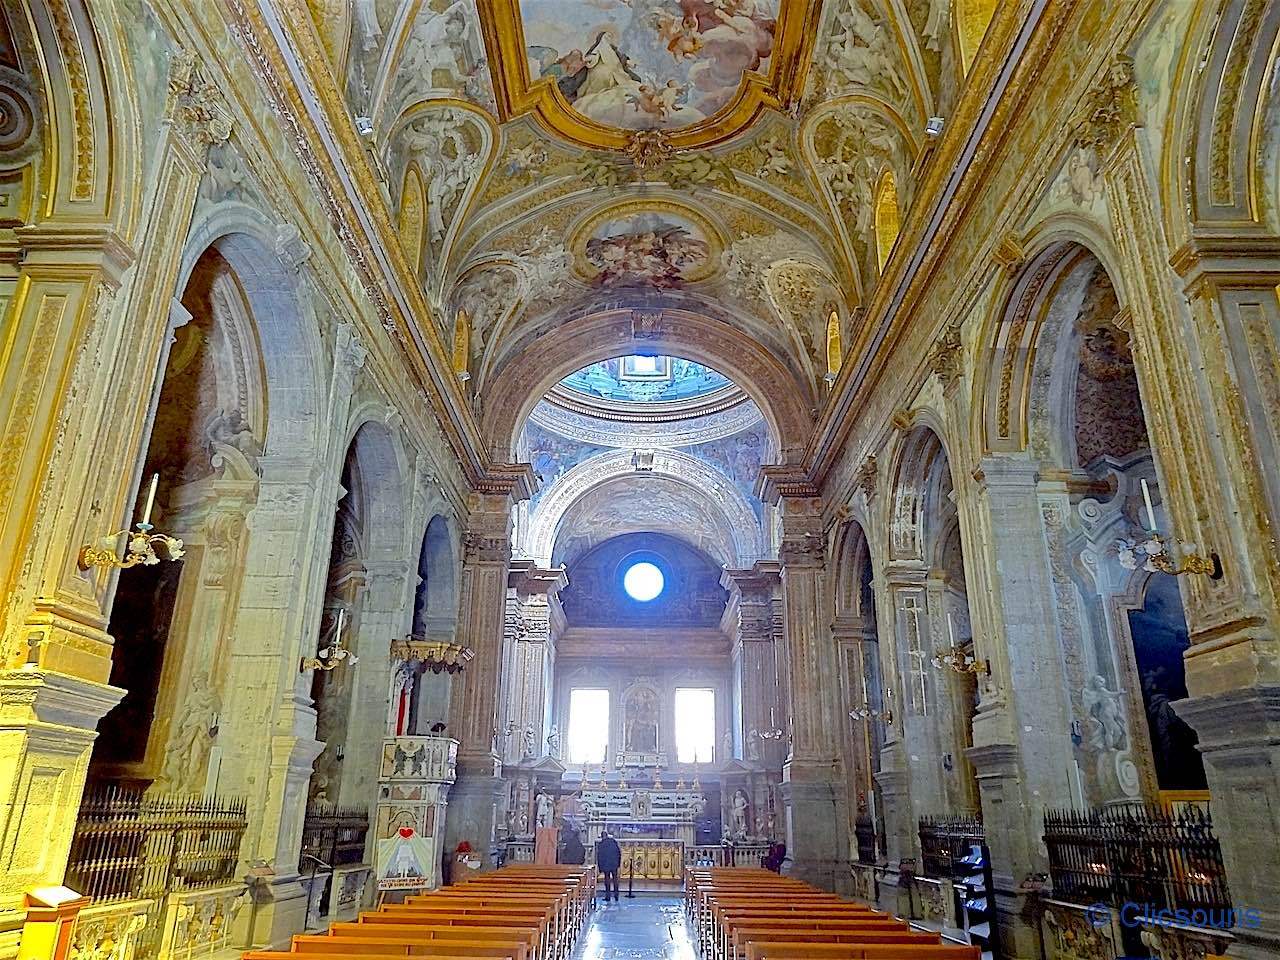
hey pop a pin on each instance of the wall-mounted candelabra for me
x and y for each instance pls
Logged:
(139, 543)
(328, 657)
(957, 658)
(1160, 554)
(865, 712)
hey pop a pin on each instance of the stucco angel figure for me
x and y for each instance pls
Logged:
(1106, 716)
(193, 738)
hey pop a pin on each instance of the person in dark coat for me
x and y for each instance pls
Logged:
(574, 851)
(608, 862)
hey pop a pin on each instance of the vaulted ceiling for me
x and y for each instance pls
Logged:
(747, 160)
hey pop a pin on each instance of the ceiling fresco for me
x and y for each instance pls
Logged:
(648, 63)
(545, 161)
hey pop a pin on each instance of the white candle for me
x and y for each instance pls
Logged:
(951, 631)
(151, 500)
(1151, 513)
(342, 618)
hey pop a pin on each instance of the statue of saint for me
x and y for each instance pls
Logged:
(553, 742)
(738, 816)
(546, 810)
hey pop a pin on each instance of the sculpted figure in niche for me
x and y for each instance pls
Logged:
(546, 810)
(553, 742)
(530, 742)
(641, 722)
(738, 816)
(193, 738)
(1106, 718)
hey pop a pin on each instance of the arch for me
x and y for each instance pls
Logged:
(921, 479)
(853, 557)
(376, 464)
(413, 206)
(289, 341)
(93, 135)
(739, 541)
(1217, 134)
(784, 399)
(888, 217)
(436, 599)
(835, 344)
(1004, 382)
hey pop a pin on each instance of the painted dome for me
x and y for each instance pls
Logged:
(637, 379)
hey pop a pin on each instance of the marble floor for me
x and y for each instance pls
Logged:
(650, 927)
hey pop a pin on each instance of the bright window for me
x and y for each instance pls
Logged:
(588, 725)
(695, 725)
(643, 581)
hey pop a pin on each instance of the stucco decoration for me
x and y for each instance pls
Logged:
(449, 146)
(604, 495)
(854, 142)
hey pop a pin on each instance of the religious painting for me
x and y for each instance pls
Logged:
(652, 248)
(640, 720)
(648, 63)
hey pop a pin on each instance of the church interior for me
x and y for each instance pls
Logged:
(828, 449)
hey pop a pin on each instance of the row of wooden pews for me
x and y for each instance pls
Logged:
(753, 914)
(521, 912)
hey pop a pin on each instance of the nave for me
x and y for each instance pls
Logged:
(649, 927)
(841, 435)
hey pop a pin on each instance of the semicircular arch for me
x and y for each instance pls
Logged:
(736, 539)
(782, 397)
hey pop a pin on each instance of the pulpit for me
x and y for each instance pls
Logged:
(413, 784)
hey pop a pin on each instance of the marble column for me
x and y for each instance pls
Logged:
(87, 336)
(384, 614)
(1022, 751)
(268, 732)
(476, 797)
(812, 782)
(759, 707)
(528, 661)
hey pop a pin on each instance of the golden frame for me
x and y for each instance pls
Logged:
(517, 93)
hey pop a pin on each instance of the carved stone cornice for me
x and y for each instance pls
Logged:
(1109, 109)
(783, 481)
(515, 480)
(529, 580)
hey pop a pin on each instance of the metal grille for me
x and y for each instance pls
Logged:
(1138, 855)
(944, 840)
(127, 846)
(332, 837)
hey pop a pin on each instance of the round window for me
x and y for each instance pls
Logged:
(643, 581)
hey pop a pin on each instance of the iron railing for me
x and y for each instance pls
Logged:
(129, 846)
(945, 840)
(1136, 854)
(333, 836)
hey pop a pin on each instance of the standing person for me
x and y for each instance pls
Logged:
(608, 862)
(574, 851)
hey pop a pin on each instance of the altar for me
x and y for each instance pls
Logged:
(652, 860)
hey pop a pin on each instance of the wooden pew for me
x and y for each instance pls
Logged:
(814, 950)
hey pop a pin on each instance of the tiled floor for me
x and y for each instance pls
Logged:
(650, 927)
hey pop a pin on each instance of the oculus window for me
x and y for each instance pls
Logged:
(643, 581)
(588, 725)
(695, 725)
